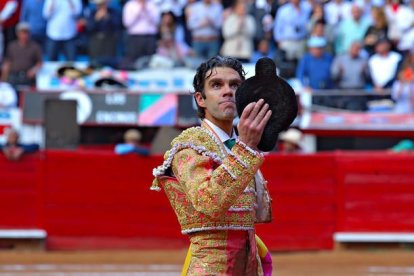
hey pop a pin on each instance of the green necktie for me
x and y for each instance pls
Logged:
(230, 143)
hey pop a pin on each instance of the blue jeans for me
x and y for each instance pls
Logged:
(54, 48)
(206, 49)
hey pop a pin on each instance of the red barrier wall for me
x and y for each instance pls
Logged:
(93, 199)
(375, 192)
(19, 194)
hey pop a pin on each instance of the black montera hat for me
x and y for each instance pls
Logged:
(276, 92)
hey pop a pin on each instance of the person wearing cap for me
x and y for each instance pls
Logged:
(211, 175)
(132, 139)
(290, 141)
(314, 69)
(23, 58)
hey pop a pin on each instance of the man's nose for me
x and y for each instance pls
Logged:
(228, 91)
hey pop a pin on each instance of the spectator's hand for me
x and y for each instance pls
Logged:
(31, 74)
(252, 123)
(13, 153)
(101, 13)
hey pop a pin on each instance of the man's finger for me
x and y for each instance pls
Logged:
(247, 110)
(266, 118)
(256, 109)
(261, 114)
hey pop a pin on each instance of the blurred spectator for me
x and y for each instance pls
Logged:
(8, 9)
(403, 146)
(383, 58)
(336, 11)
(32, 13)
(204, 21)
(23, 58)
(170, 25)
(263, 50)
(376, 31)
(103, 25)
(141, 19)
(262, 11)
(350, 30)
(290, 141)
(320, 29)
(187, 12)
(315, 58)
(8, 96)
(403, 89)
(290, 29)
(350, 71)
(132, 139)
(400, 19)
(13, 150)
(174, 6)
(174, 52)
(9, 16)
(61, 29)
(238, 32)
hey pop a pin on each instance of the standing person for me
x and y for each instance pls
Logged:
(141, 19)
(103, 24)
(23, 58)
(211, 175)
(290, 29)
(238, 31)
(7, 11)
(204, 21)
(61, 30)
(32, 13)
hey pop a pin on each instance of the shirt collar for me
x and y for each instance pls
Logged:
(222, 135)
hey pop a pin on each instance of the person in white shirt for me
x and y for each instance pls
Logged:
(383, 65)
(61, 29)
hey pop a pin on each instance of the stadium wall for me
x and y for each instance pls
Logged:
(96, 200)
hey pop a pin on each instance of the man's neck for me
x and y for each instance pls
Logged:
(226, 126)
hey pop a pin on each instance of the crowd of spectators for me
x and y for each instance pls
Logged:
(359, 45)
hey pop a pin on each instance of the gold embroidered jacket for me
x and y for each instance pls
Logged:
(208, 188)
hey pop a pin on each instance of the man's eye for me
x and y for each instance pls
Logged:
(215, 85)
(234, 86)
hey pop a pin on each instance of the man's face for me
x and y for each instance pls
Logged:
(219, 90)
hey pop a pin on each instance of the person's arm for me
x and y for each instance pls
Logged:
(33, 71)
(194, 20)
(24, 14)
(279, 24)
(336, 69)
(8, 10)
(5, 70)
(215, 18)
(48, 8)
(75, 7)
(230, 27)
(301, 71)
(130, 14)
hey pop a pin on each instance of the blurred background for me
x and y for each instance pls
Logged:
(92, 92)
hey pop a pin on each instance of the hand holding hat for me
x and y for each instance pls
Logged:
(277, 93)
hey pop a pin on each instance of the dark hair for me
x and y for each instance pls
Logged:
(205, 70)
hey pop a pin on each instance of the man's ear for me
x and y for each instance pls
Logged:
(200, 99)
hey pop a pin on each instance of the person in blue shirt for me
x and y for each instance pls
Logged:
(32, 14)
(13, 150)
(314, 70)
(132, 138)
